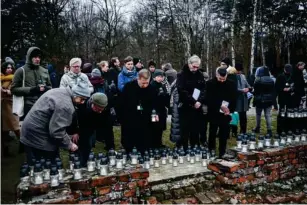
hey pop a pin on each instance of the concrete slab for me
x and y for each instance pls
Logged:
(168, 172)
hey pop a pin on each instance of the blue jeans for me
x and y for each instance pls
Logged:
(267, 115)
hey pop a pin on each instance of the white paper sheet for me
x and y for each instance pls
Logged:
(196, 93)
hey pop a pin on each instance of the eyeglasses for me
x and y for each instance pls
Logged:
(196, 67)
(76, 66)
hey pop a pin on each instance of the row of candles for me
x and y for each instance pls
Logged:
(44, 171)
(294, 113)
(248, 142)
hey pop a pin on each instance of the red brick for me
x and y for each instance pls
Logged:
(130, 193)
(124, 201)
(88, 201)
(268, 160)
(260, 162)
(274, 152)
(250, 177)
(285, 157)
(61, 200)
(102, 199)
(292, 174)
(40, 189)
(104, 190)
(243, 164)
(275, 175)
(103, 181)
(139, 174)
(226, 166)
(297, 197)
(123, 177)
(273, 166)
(118, 187)
(277, 159)
(142, 183)
(132, 185)
(260, 155)
(294, 161)
(152, 200)
(252, 163)
(242, 179)
(214, 168)
(292, 155)
(275, 199)
(79, 185)
(76, 195)
(86, 193)
(287, 162)
(284, 175)
(247, 156)
(225, 180)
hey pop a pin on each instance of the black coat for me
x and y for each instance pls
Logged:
(162, 102)
(136, 124)
(113, 73)
(299, 84)
(175, 124)
(284, 98)
(186, 83)
(218, 92)
(264, 89)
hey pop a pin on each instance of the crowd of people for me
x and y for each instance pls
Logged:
(87, 102)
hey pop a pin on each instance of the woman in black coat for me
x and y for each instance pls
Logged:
(264, 97)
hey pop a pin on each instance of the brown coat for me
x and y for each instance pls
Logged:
(10, 122)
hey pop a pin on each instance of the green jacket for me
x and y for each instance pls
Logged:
(34, 75)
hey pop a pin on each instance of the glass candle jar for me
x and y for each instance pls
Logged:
(204, 159)
(239, 142)
(24, 175)
(175, 160)
(192, 157)
(181, 157)
(77, 171)
(289, 137)
(244, 146)
(260, 142)
(304, 135)
(297, 136)
(119, 161)
(267, 141)
(157, 161)
(104, 168)
(91, 164)
(54, 177)
(163, 158)
(38, 174)
(134, 157)
(147, 162)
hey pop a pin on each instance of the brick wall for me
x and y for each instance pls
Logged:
(130, 186)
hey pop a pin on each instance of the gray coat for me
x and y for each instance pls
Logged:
(45, 125)
(242, 101)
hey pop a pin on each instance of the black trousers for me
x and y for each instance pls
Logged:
(203, 130)
(243, 122)
(37, 154)
(85, 145)
(220, 124)
(192, 122)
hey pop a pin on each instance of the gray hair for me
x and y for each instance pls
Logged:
(167, 66)
(144, 73)
(194, 59)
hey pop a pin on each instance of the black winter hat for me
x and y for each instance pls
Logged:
(239, 66)
(158, 72)
(227, 61)
(136, 61)
(222, 71)
(151, 63)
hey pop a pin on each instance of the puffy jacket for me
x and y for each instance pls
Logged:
(175, 124)
(70, 79)
(264, 89)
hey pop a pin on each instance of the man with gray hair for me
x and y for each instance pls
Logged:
(74, 76)
(191, 88)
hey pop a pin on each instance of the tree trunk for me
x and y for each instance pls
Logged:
(289, 53)
(253, 36)
(233, 18)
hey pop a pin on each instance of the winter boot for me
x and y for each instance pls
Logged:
(256, 130)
